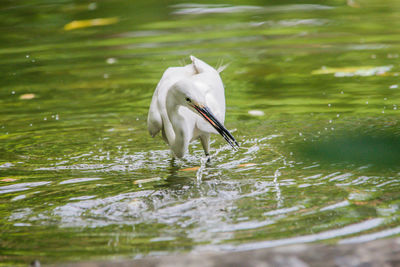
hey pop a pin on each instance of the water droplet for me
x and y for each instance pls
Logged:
(57, 117)
(329, 105)
(385, 98)
(342, 92)
(366, 102)
(383, 111)
(300, 134)
(337, 115)
(111, 60)
(13, 92)
(92, 6)
(330, 121)
(27, 56)
(393, 86)
(45, 118)
(256, 112)
(30, 124)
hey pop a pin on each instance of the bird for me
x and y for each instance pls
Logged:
(188, 104)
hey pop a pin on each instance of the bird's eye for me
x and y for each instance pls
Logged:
(188, 99)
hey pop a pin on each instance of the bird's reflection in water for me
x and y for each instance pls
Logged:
(179, 177)
(176, 178)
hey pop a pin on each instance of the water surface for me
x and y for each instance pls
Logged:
(312, 92)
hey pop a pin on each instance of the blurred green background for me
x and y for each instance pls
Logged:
(312, 92)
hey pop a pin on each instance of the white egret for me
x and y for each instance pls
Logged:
(189, 103)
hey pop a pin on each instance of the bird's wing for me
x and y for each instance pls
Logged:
(154, 122)
(158, 102)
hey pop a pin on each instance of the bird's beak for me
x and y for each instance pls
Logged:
(210, 118)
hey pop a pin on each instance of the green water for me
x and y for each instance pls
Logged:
(312, 92)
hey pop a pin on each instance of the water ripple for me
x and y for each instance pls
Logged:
(347, 230)
(20, 187)
(79, 180)
(370, 237)
(197, 9)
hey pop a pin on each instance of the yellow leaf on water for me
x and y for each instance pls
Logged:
(78, 24)
(246, 165)
(27, 96)
(8, 180)
(353, 71)
(143, 181)
(190, 169)
(328, 70)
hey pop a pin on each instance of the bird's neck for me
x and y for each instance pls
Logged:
(175, 127)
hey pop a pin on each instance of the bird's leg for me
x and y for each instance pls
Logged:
(205, 142)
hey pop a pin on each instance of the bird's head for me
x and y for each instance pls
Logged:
(196, 102)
